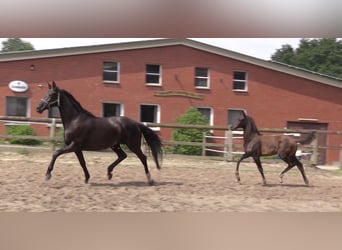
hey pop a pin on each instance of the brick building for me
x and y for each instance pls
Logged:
(158, 80)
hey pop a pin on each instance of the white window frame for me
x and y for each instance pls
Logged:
(203, 77)
(117, 71)
(154, 74)
(241, 81)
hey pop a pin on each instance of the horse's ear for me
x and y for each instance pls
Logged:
(54, 85)
(49, 85)
(244, 114)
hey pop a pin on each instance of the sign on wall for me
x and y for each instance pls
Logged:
(18, 86)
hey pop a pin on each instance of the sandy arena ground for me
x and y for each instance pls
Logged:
(184, 184)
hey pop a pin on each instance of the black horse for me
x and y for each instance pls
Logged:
(84, 131)
(257, 145)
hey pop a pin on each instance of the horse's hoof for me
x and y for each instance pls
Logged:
(110, 175)
(151, 182)
(47, 177)
(86, 181)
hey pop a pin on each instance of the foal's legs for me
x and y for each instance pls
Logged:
(261, 170)
(293, 161)
(80, 157)
(237, 175)
(301, 169)
(121, 156)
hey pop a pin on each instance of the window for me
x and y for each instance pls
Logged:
(202, 78)
(112, 109)
(233, 115)
(16, 106)
(153, 74)
(240, 81)
(149, 113)
(54, 112)
(208, 113)
(111, 71)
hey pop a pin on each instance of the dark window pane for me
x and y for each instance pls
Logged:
(110, 76)
(110, 66)
(238, 75)
(148, 113)
(152, 78)
(206, 112)
(154, 69)
(239, 85)
(16, 106)
(202, 72)
(111, 109)
(201, 82)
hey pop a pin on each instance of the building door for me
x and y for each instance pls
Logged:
(321, 137)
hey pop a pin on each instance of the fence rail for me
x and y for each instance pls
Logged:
(226, 146)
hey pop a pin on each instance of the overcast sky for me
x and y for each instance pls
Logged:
(257, 47)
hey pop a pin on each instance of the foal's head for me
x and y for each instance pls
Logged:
(241, 122)
(51, 98)
(246, 123)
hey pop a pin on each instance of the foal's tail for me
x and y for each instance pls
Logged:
(154, 142)
(308, 139)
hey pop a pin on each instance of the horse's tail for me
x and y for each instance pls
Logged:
(154, 142)
(308, 139)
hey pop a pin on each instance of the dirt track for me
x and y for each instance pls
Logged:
(184, 184)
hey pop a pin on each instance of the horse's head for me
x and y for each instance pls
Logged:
(241, 122)
(51, 98)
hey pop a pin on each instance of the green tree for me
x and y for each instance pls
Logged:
(16, 44)
(322, 55)
(193, 117)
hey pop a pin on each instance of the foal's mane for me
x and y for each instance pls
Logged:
(77, 105)
(251, 125)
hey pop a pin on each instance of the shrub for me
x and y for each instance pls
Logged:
(193, 117)
(22, 130)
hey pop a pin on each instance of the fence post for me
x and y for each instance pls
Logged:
(314, 157)
(229, 143)
(53, 134)
(341, 156)
(204, 141)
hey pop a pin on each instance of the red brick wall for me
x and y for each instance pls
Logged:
(273, 98)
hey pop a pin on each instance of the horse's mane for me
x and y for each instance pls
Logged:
(77, 105)
(251, 125)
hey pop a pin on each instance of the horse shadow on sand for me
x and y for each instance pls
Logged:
(135, 184)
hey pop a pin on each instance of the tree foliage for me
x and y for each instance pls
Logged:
(193, 117)
(322, 55)
(16, 44)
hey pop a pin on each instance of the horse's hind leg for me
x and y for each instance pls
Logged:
(293, 161)
(137, 150)
(80, 157)
(284, 171)
(301, 169)
(121, 156)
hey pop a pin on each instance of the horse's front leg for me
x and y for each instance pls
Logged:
(261, 170)
(56, 154)
(237, 175)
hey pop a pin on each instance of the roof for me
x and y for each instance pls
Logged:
(280, 67)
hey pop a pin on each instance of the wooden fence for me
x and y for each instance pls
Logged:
(226, 150)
